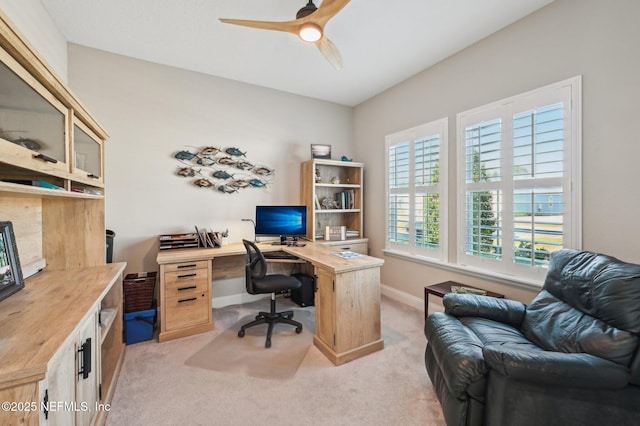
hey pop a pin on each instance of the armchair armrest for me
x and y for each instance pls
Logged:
(458, 352)
(556, 368)
(470, 305)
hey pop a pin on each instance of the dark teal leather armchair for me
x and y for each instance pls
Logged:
(571, 357)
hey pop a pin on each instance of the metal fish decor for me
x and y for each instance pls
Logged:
(225, 170)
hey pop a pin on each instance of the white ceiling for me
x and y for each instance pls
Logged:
(382, 42)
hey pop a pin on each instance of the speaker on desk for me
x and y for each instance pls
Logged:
(304, 296)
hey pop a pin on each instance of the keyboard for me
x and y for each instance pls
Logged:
(279, 255)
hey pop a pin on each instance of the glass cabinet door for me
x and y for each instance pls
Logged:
(87, 151)
(31, 118)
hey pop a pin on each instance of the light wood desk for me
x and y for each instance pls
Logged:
(347, 299)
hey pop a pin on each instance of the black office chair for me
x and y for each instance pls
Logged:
(258, 282)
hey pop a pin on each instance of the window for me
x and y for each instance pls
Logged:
(519, 180)
(417, 190)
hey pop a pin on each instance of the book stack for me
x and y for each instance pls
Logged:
(209, 239)
(346, 199)
(352, 233)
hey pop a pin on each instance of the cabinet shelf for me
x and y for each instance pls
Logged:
(107, 318)
(321, 211)
(337, 185)
(17, 189)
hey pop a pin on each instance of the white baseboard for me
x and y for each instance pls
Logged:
(402, 297)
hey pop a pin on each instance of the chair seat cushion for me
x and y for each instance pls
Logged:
(276, 283)
(498, 334)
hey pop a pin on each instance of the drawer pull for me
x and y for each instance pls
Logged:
(187, 276)
(191, 299)
(193, 265)
(45, 158)
(191, 287)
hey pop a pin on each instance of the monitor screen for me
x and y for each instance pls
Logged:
(281, 220)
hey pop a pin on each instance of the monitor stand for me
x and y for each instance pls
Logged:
(283, 242)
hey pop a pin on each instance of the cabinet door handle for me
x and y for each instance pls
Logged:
(187, 275)
(92, 176)
(187, 266)
(85, 367)
(45, 158)
(191, 287)
(191, 299)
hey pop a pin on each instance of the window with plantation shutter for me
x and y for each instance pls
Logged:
(416, 190)
(519, 180)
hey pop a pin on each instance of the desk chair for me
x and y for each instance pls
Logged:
(258, 282)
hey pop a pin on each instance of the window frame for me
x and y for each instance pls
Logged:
(567, 91)
(411, 136)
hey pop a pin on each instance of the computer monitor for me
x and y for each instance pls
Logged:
(281, 221)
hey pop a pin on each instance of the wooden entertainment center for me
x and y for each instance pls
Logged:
(61, 336)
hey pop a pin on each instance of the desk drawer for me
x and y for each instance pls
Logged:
(178, 284)
(186, 266)
(188, 276)
(362, 248)
(187, 310)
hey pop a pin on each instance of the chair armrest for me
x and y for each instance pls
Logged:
(457, 350)
(470, 305)
(556, 368)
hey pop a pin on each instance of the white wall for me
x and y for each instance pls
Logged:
(36, 25)
(592, 38)
(152, 111)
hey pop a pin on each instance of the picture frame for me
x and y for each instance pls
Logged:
(10, 272)
(321, 151)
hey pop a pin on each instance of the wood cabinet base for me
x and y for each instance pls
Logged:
(350, 355)
(184, 332)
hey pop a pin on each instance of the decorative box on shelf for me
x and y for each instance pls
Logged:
(335, 233)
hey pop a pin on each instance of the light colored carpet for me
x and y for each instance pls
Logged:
(247, 355)
(388, 387)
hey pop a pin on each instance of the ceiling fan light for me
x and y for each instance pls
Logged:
(310, 32)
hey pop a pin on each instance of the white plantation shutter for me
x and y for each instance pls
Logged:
(416, 190)
(519, 180)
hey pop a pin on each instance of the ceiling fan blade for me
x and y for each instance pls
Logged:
(326, 11)
(330, 51)
(288, 26)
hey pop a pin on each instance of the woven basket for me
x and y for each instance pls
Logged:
(139, 290)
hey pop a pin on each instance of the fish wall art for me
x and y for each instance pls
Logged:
(225, 170)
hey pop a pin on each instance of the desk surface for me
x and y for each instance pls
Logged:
(317, 254)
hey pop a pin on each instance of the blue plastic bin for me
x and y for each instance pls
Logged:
(138, 326)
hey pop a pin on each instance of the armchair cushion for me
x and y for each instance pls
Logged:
(589, 303)
(556, 368)
(556, 326)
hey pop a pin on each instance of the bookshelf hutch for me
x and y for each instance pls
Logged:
(332, 191)
(62, 333)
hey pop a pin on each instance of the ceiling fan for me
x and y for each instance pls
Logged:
(308, 25)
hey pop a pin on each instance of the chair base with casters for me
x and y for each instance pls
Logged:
(272, 318)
